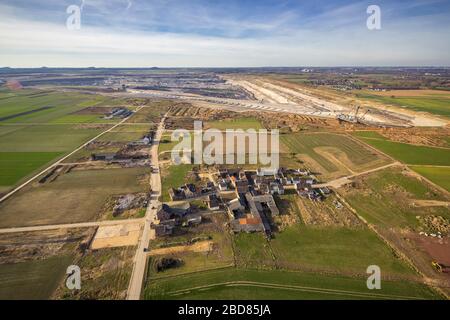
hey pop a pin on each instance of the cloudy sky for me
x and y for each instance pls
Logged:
(228, 33)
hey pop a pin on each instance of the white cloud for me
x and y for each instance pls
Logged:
(29, 43)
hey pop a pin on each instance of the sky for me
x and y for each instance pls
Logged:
(231, 33)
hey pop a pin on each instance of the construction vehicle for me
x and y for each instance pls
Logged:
(437, 266)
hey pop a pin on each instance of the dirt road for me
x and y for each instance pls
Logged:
(71, 226)
(140, 259)
(345, 180)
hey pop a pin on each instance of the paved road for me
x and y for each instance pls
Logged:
(71, 226)
(64, 158)
(140, 259)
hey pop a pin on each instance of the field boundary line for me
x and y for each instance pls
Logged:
(64, 158)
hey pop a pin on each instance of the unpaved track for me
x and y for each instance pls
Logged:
(71, 226)
(140, 259)
(204, 246)
(345, 180)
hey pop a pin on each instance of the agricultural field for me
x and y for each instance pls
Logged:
(432, 101)
(431, 162)
(38, 127)
(243, 123)
(34, 279)
(336, 250)
(331, 155)
(33, 106)
(34, 147)
(253, 251)
(33, 264)
(438, 175)
(76, 196)
(411, 154)
(400, 192)
(232, 283)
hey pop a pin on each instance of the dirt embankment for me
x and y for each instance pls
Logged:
(419, 136)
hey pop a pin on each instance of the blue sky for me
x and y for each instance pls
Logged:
(201, 33)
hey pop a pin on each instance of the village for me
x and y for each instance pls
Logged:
(247, 196)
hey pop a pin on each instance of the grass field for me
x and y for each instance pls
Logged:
(25, 106)
(253, 251)
(244, 284)
(16, 165)
(331, 154)
(438, 175)
(36, 127)
(78, 196)
(240, 123)
(411, 154)
(34, 279)
(25, 150)
(427, 101)
(335, 249)
(385, 198)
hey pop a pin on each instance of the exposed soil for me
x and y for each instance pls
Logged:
(19, 247)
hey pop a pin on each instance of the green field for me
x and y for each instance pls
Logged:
(78, 196)
(16, 165)
(25, 150)
(438, 175)
(438, 104)
(37, 127)
(331, 154)
(58, 105)
(239, 123)
(408, 153)
(334, 249)
(48, 138)
(385, 198)
(32, 280)
(252, 250)
(235, 284)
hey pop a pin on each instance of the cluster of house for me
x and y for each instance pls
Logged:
(169, 217)
(120, 112)
(191, 191)
(250, 203)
